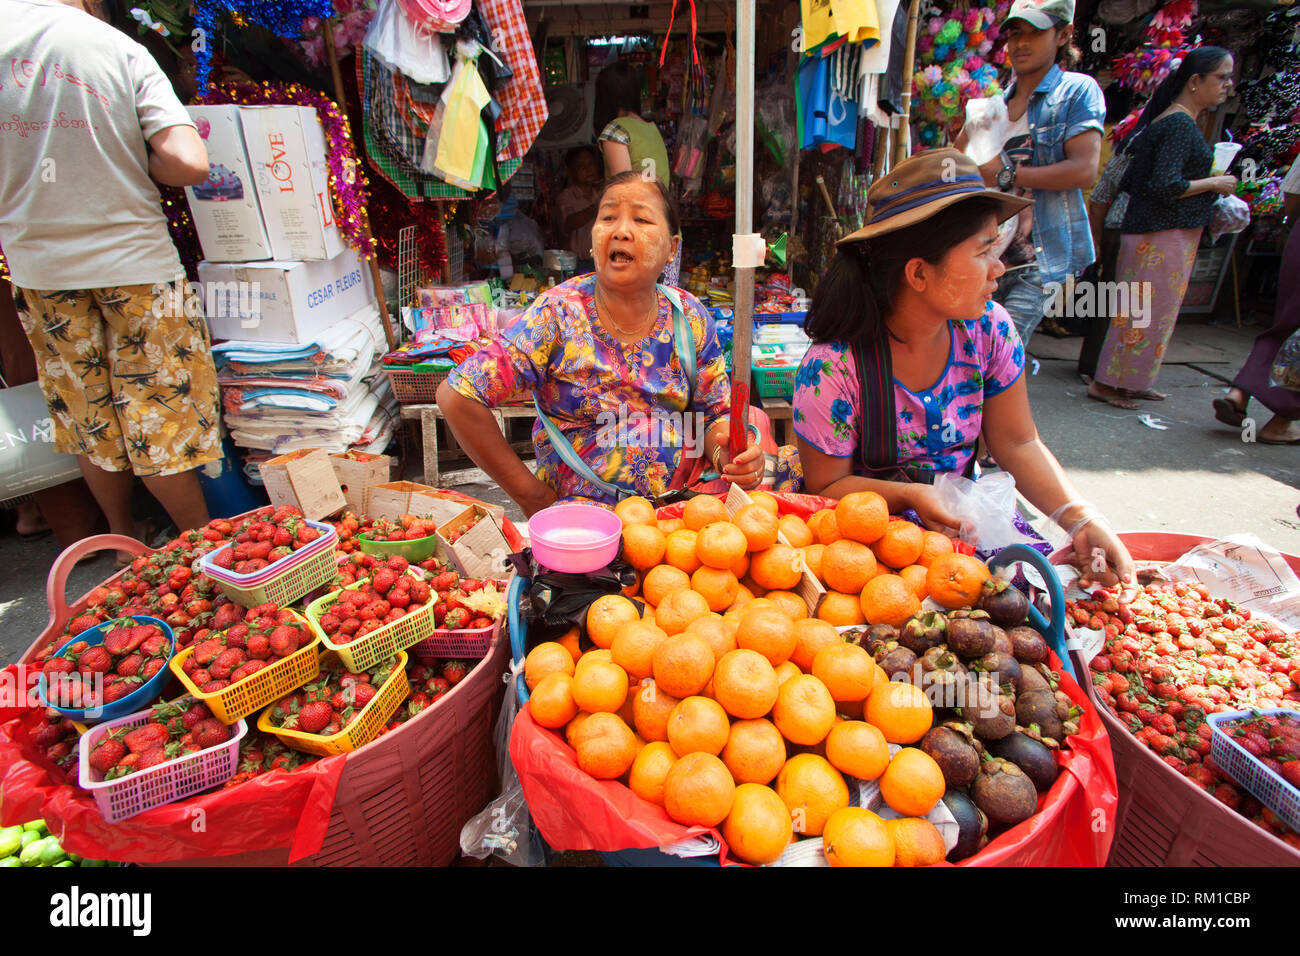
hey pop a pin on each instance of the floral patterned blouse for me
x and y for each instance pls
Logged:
(623, 407)
(937, 427)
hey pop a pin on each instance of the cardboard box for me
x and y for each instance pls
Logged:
(810, 589)
(356, 478)
(483, 551)
(397, 498)
(286, 303)
(286, 147)
(305, 479)
(225, 209)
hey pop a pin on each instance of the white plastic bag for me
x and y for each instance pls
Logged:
(1229, 214)
(401, 45)
(986, 128)
(986, 508)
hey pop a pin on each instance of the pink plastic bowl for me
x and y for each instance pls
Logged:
(575, 539)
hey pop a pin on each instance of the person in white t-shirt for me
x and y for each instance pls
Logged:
(89, 125)
(1253, 379)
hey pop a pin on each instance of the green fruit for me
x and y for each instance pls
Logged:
(74, 858)
(65, 863)
(31, 855)
(11, 841)
(28, 838)
(53, 853)
(36, 825)
(11, 861)
(93, 863)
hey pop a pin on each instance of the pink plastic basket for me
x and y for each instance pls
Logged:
(287, 580)
(165, 783)
(1245, 768)
(464, 645)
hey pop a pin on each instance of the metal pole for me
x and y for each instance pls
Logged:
(744, 302)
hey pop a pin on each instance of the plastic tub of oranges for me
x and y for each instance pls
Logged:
(754, 686)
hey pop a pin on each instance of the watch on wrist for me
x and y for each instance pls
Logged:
(1007, 174)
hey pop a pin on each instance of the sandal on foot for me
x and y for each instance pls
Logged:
(1116, 400)
(1229, 413)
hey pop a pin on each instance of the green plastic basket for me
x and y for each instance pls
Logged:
(381, 643)
(414, 551)
(774, 381)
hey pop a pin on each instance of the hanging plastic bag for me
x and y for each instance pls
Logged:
(986, 128)
(403, 46)
(986, 507)
(1228, 214)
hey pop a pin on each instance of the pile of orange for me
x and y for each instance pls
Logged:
(713, 693)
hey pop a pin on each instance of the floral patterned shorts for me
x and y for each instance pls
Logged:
(128, 376)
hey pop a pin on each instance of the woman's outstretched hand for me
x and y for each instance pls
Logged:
(746, 469)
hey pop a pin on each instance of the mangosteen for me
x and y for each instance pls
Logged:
(970, 633)
(991, 715)
(855, 635)
(1031, 679)
(1004, 792)
(1027, 645)
(893, 659)
(1031, 756)
(958, 760)
(1038, 707)
(972, 825)
(923, 632)
(1005, 605)
(878, 634)
(941, 675)
(1002, 667)
(1002, 642)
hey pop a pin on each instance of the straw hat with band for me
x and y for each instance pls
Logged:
(910, 193)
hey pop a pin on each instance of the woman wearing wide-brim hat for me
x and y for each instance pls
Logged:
(910, 358)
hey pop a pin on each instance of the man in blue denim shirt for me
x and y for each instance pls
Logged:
(1062, 114)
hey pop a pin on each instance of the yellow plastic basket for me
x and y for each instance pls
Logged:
(381, 643)
(361, 731)
(265, 687)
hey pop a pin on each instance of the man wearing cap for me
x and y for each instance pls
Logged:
(1050, 154)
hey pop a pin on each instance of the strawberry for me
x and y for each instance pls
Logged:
(383, 580)
(1291, 772)
(226, 662)
(456, 619)
(94, 660)
(83, 623)
(213, 686)
(247, 669)
(118, 641)
(315, 717)
(152, 758)
(146, 737)
(130, 665)
(59, 665)
(207, 651)
(209, 733)
(284, 640)
(259, 648)
(454, 672)
(106, 754)
(121, 688)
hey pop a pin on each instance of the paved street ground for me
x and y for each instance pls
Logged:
(1196, 475)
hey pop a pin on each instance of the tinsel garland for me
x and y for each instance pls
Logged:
(284, 18)
(347, 181)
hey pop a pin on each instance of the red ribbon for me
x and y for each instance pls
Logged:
(672, 14)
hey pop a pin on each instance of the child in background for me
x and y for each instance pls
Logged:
(576, 203)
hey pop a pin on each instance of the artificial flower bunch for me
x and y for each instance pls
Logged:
(956, 61)
(1164, 44)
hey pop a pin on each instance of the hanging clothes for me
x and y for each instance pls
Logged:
(824, 116)
(826, 23)
(457, 141)
(523, 103)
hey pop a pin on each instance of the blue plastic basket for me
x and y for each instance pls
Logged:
(132, 702)
(1245, 768)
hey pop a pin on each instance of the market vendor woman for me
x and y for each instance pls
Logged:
(622, 371)
(910, 358)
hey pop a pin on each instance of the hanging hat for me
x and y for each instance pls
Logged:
(1041, 13)
(923, 184)
(448, 12)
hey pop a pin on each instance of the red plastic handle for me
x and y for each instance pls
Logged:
(739, 425)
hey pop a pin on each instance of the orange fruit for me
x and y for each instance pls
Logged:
(643, 546)
(741, 568)
(702, 510)
(862, 516)
(792, 604)
(901, 711)
(917, 842)
(759, 828)
(675, 613)
(606, 746)
(551, 701)
(804, 711)
(679, 550)
(810, 636)
(811, 790)
(633, 589)
(651, 709)
(812, 558)
(719, 587)
(854, 836)
(750, 585)
(571, 642)
(669, 525)
(785, 671)
(755, 751)
(634, 648)
(635, 510)
(698, 790)
(745, 684)
(765, 501)
(915, 576)
(661, 581)
(607, 615)
(847, 566)
(758, 525)
(593, 655)
(779, 568)
(955, 580)
(743, 596)
(858, 749)
(900, 545)
(887, 599)
(573, 730)
(650, 770)
(841, 610)
(767, 630)
(912, 783)
(847, 670)
(548, 658)
(683, 664)
(698, 725)
(648, 613)
(720, 544)
(600, 686)
(824, 526)
(853, 709)
(933, 544)
(714, 632)
(627, 711)
(796, 531)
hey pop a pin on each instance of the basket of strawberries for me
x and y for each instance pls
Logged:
(109, 670)
(276, 559)
(166, 753)
(412, 537)
(341, 711)
(374, 618)
(248, 665)
(467, 617)
(1260, 749)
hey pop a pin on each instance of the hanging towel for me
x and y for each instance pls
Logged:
(825, 116)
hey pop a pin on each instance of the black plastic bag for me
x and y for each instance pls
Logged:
(554, 602)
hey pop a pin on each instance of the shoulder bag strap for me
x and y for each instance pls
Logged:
(683, 340)
(564, 448)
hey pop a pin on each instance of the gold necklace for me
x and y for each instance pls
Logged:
(602, 314)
